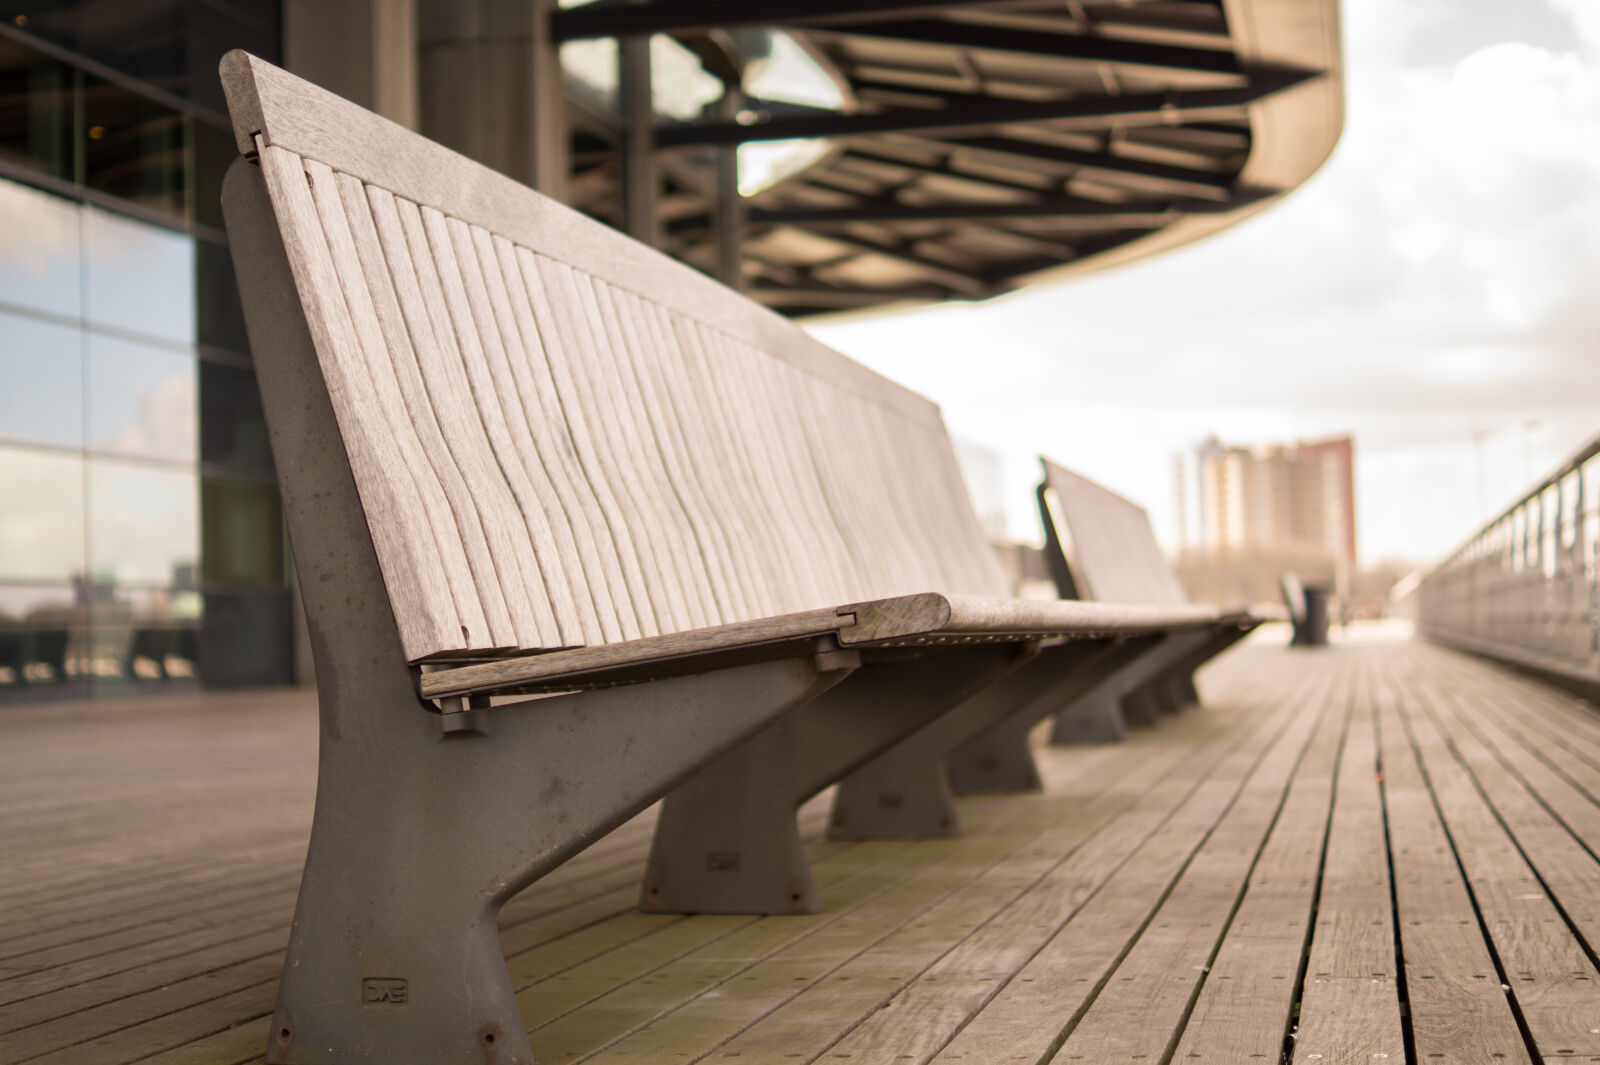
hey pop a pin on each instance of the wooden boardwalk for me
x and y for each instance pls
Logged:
(1379, 853)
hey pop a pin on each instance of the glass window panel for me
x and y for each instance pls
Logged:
(144, 38)
(214, 151)
(133, 147)
(143, 634)
(233, 430)
(138, 276)
(40, 266)
(41, 368)
(221, 317)
(42, 632)
(141, 400)
(41, 515)
(242, 530)
(143, 526)
(35, 111)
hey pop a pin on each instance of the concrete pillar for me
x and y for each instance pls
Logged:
(490, 79)
(639, 180)
(364, 50)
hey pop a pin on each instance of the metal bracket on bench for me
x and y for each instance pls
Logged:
(464, 714)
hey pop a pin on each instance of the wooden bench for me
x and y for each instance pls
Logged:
(571, 522)
(1101, 547)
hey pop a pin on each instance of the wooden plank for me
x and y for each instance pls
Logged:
(1542, 957)
(1088, 843)
(1350, 1004)
(608, 411)
(572, 504)
(695, 556)
(430, 588)
(707, 999)
(1457, 1009)
(69, 1029)
(1140, 1011)
(1245, 1006)
(456, 523)
(678, 438)
(1038, 1007)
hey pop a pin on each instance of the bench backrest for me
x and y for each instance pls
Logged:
(1106, 542)
(561, 437)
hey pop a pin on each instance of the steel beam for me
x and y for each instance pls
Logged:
(978, 114)
(613, 19)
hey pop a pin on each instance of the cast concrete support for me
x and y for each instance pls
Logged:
(364, 50)
(727, 841)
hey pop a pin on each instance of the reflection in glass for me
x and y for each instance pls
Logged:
(138, 276)
(39, 262)
(221, 317)
(42, 635)
(35, 111)
(133, 147)
(142, 634)
(41, 515)
(141, 400)
(233, 429)
(242, 533)
(143, 526)
(41, 381)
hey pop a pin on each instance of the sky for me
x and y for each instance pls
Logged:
(1433, 290)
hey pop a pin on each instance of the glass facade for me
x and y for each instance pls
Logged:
(141, 539)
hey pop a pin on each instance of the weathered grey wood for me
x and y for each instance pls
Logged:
(1245, 1006)
(1458, 1011)
(1108, 543)
(1037, 1008)
(1141, 1009)
(1551, 976)
(918, 943)
(1350, 1002)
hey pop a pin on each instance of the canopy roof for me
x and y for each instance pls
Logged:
(987, 144)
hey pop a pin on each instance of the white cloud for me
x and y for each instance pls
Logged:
(1432, 283)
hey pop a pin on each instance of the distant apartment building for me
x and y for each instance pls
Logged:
(1248, 513)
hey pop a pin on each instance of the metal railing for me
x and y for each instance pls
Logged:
(1524, 587)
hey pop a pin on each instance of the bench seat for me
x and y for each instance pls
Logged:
(925, 620)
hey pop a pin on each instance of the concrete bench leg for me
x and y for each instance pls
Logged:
(1095, 718)
(997, 761)
(421, 833)
(905, 792)
(1000, 758)
(727, 841)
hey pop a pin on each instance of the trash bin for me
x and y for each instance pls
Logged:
(1313, 631)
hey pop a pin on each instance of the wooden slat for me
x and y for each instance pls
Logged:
(380, 332)
(1545, 961)
(429, 581)
(1350, 1004)
(1457, 1009)
(1000, 946)
(1036, 1010)
(293, 114)
(1140, 1011)
(1246, 1002)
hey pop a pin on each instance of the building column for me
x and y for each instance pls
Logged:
(490, 86)
(364, 50)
